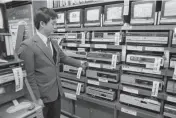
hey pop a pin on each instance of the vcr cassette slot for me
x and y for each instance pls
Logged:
(77, 54)
(141, 102)
(111, 77)
(150, 61)
(101, 93)
(102, 56)
(147, 37)
(71, 84)
(140, 81)
(108, 37)
(70, 69)
(171, 87)
(170, 111)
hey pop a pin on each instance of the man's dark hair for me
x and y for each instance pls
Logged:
(44, 14)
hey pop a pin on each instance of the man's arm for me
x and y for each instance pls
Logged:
(25, 53)
(68, 60)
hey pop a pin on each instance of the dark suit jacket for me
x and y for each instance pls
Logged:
(42, 71)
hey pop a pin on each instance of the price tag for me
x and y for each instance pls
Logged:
(100, 46)
(174, 75)
(166, 55)
(101, 79)
(15, 102)
(79, 73)
(171, 99)
(114, 61)
(18, 75)
(130, 90)
(126, 7)
(93, 82)
(71, 44)
(161, 49)
(94, 65)
(2, 90)
(117, 38)
(78, 90)
(131, 112)
(70, 96)
(83, 40)
(123, 53)
(138, 48)
(155, 89)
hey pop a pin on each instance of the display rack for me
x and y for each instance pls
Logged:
(116, 106)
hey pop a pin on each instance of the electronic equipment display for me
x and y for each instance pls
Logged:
(3, 19)
(143, 12)
(92, 16)
(60, 21)
(74, 18)
(113, 14)
(168, 12)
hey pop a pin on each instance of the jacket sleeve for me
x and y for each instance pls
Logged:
(25, 53)
(68, 60)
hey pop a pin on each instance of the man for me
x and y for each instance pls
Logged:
(42, 57)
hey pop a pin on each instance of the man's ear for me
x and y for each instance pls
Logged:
(42, 24)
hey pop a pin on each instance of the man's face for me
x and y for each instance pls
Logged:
(49, 27)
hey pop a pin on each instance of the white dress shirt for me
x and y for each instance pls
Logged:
(44, 39)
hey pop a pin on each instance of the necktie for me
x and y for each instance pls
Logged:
(48, 45)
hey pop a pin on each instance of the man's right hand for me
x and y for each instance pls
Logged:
(40, 102)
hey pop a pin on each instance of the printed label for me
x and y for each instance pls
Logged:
(155, 89)
(114, 61)
(78, 90)
(18, 75)
(79, 73)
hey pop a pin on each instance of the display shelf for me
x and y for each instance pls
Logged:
(102, 46)
(116, 28)
(103, 66)
(5, 34)
(68, 114)
(139, 91)
(146, 48)
(103, 84)
(11, 62)
(86, 5)
(99, 101)
(125, 67)
(136, 111)
(72, 77)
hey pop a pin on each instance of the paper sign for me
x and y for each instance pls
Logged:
(114, 13)
(155, 89)
(114, 61)
(78, 90)
(93, 82)
(79, 73)
(174, 75)
(70, 96)
(18, 75)
(130, 90)
(60, 18)
(131, 112)
(123, 53)
(74, 16)
(93, 15)
(117, 38)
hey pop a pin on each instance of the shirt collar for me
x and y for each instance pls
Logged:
(43, 37)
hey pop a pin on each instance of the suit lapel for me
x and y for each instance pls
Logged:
(43, 47)
(54, 43)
